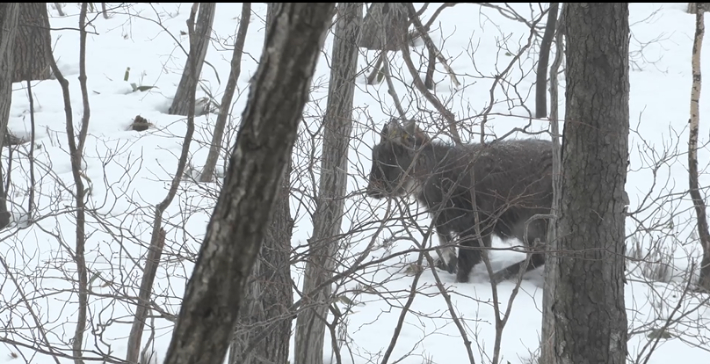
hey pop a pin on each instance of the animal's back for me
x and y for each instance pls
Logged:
(514, 182)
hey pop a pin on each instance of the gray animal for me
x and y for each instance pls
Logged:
(511, 181)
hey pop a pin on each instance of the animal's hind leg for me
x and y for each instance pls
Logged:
(537, 259)
(468, 258)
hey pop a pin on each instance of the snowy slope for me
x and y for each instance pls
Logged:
(130, 173)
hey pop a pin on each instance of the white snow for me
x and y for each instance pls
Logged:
(130, 173)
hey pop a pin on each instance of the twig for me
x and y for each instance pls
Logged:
(423, 32)
(390, 85)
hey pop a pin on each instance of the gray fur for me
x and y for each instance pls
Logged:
(512, 183)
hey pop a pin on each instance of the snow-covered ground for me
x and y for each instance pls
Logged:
(129, 173)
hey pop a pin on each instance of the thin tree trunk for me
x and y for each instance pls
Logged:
(268, 294)
(552, 245)
(429, 43)
(431, 67)
(76, 148)
(541, 83)
(323, 247)
(59, 9)
(700, 208)
(198, 48)
(588, 314)
(244, 208)
(157, 240)
(225, 105)
(8, 28)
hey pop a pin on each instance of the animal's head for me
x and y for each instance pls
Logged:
(392, 159)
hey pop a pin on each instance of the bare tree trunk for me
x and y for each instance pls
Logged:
(238, 225)
(268, 293)
(33, 43)
(76, 148)
(59, 9)
(310, 324)
(157, 241)
(8, 28)
(541, 82)
(591, 327)
(384, 27)
(263, 330)
(225, 105)
(198, 48)
(551, 256)
(694, 7)
(700, 208)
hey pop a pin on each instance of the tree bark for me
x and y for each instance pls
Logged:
(8, 29)
(698, 202)
(693, 7)
(198, 48)
(235, 232)
(224, 107)
(551, 256)
(263, 330)
(588, 314)
(545, 45)
(327, 218)
(268, 294)
(33, 43)
(384, 27)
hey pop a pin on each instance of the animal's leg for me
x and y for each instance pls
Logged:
(537, 259)
(447, 253)
(468, 258)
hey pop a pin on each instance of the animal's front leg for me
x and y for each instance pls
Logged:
(447, 253)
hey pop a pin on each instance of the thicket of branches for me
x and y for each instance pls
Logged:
(111, 272)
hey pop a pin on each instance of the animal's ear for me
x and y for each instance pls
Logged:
(414, 135)
(392, 131)
(408, 135)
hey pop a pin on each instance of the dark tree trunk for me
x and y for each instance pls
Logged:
(198, 48)
(385, 27)
(588, 314)
(238, 225)
(541, 82)
(693, 7)
(323, 247)
(33, 43)
(224, 107)
(8, 28)
(263, 331)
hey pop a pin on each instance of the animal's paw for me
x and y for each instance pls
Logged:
(443, 265)
(461, 277)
